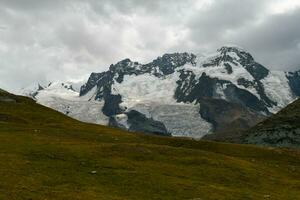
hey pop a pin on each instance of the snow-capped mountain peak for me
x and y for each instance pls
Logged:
(56, 88)
(228, 57)
(179, 79)
(179, 93)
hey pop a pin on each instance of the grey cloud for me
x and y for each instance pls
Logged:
(210, 27)
(275, 41)
(53, 39)
(33, 5)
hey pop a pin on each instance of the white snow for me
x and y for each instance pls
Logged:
(153, 97)
(233, 55)
(122, 119)
(57, 89)
(277, 89)
(220, 91)
(86, 111)
(179, 118)
(135, 89)
(58, 97)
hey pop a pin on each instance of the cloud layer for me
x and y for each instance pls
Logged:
(57, 40)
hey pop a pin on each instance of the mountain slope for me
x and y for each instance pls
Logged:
(178, 93)
(281, 129)
(46, 155)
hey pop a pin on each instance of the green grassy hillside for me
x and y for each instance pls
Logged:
(46, 155)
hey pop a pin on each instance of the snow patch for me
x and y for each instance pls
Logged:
(146, 87)
(122, 119)
(180, 119)
(277, 89)
(233, 55)
(86, 111)
(62, 97)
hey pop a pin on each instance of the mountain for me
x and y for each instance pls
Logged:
(182, 94)
(45, 154)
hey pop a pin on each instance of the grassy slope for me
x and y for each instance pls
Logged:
(281, 129)
(46, 155)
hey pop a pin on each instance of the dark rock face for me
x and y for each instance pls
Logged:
(228, 68)
(140, 123)
(294, 82)
(161, 66)
(216, 111)
(92, 82)
(190, 90)
(260, 90)
(101, 80)
(245, 98)
(169, 62)
(127, 67)
(40, 87)
(257, 70)
(111, 105)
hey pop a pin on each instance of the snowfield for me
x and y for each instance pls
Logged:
(277, 89)
(180, 119)
(59, 96)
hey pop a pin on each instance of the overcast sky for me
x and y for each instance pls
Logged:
(44, 40)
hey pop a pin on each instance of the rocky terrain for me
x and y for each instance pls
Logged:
(281, 129)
